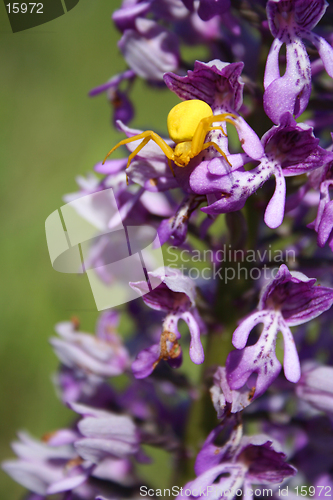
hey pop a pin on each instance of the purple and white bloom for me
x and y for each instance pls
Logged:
(316, 386)
(166, 10)
(225, 399)
(105, 435)
(290, 21)
(101, 356)
(150, 49)
(290, 299)
(46, 468)
(175, 296)
(289, 149)
(322, 180)
(239, 463)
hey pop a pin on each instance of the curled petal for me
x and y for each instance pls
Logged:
(196, 350)
(150, 50)
(250, 142)
(291, 366)
(316, 386)
(291, 92)
(275, 209)
(243, 331)
(326, 224)
(325, 51)
(272, 71)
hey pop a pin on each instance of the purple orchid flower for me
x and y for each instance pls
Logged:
(46, 468)
(150, 49)
(316, 386)
(101, 356)
(290, 299)
(323, 224)
(175, 296)
(290, 21)
(290, 149)
(105, 435)
(242, 461)
(225, 399)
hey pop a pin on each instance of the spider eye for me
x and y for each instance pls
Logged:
(184, 119)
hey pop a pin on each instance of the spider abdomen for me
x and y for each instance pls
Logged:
(184, 119)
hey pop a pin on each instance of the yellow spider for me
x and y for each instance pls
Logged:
(188, 124)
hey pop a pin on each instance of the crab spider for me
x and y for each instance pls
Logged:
(188, 124)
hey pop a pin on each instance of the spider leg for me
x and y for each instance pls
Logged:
(217, 128)
(143, 135)
(165, 148)
(135, 152)
(224, 118)
(146, 136)
(214, 145)
(204, 126)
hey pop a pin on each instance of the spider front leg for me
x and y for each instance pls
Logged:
(146, 136)
(143, 135)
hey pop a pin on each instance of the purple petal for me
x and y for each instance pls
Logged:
(234, 480)
(274, 212)
(296, 296)
(243, 331)
(259, 358)
(68, 483)
(272, 71)
(217, 83)
(210, 8)
(291, 92)
(146, 361)
(325, 51)
(124, 18)
(196, 350)
(221, 395)
(113, 82)
(326, 224)
(111, 167)
(316, 386)
(266, 464)
(291, 365)
(150, 50)
(250, 142)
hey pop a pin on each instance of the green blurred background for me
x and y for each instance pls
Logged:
(50, 133)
